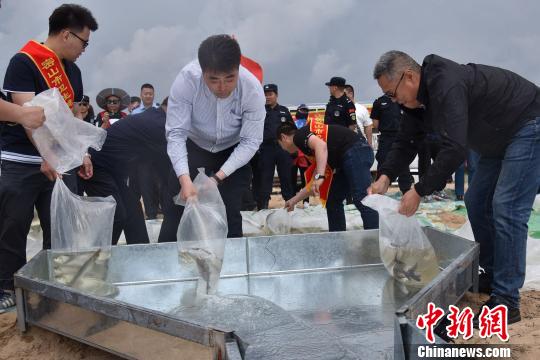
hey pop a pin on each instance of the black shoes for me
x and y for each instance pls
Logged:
(513, 315)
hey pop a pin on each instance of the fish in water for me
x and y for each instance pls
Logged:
(208, 266)
(401, 272)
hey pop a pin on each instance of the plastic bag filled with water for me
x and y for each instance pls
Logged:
(405, 250)
(202, 233)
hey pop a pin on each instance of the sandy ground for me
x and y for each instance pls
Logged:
(524, 335)
(41, 344)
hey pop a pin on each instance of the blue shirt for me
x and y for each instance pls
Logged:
(141, 108)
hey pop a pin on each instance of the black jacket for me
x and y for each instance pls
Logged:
(469, 106)
(340, 111)
(274, 117)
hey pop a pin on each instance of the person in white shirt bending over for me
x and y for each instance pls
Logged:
(215, 120)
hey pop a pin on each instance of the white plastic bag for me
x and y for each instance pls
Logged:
(79, 222)
(202, 233)
(278, 222)
(405, 250)
(63, 139)
(81, 236)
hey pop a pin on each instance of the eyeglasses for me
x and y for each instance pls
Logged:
(393, 94)
(113, 102)
(84, 42)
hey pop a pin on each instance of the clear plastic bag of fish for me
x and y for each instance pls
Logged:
(278, 222)
(405, 250)
(202, 233)
(63, 139)
(81, 237)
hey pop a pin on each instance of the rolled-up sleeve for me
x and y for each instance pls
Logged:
(178, 123)
(251, 132)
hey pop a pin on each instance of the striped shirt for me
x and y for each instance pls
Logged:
(212, 123)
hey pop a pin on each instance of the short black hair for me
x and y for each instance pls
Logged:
(134, 99)
(287, 128)
(147, 86)
(350, 88)
(219, 53)
(71, 16)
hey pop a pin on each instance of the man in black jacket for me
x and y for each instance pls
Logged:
(271, 155)
(135, 139)
(340, 110)
(494, 112)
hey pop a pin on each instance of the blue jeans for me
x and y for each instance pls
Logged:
(472, 160)
(499, 203)
(459, 180)
(472, 163)
(352, 179)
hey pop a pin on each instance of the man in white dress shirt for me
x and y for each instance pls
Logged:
(215, 120)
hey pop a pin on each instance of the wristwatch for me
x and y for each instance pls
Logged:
(318, 176)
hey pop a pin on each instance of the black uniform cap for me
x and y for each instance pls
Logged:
(270, 87)
(336, 81)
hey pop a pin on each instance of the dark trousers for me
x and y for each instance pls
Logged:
(272, 155)
(352, 179)
(294, 178)
(144, 183)
(249, 198)
(231, 190)
(22, 187)
(405, 180)
(128, 216)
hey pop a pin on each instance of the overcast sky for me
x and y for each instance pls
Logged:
(300, 44)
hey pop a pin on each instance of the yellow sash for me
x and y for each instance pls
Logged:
(51, 68)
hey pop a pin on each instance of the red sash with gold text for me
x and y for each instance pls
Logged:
(321, 131)
(51, 68)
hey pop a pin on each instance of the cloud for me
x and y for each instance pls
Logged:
(153, 55)
(300, 43)
(326, 65)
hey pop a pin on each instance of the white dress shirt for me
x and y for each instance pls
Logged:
(362, 116)
(212, 123)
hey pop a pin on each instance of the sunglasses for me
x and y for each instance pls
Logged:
(84, 42)
(113, 102)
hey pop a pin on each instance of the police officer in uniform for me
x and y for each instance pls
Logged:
(271, 154)
(386, 115)
(340, 110)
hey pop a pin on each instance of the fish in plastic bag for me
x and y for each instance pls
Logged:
(202, 232)
(405, 250)
(81, 237)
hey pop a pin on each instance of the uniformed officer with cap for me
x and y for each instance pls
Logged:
(271, 154)
(339, 110)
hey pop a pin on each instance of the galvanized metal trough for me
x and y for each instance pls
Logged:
(308, 296)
